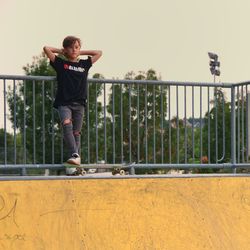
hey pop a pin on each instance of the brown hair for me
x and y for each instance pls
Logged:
(70, 40)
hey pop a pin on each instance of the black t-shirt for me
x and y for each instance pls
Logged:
(72, 81)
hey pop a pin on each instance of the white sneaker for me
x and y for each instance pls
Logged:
(74, 159)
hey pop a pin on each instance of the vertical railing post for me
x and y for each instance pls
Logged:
(34, 120)
(113, 122)
(146, 124)
(177, 126)
(185, 124)
(24, 172)
(15, 108)
(248, 126)
(52, 127)
(105, 124)
(129, 124)
(138, 123)
(96, 126)
(162, 128)
(5, 120)
(208, 125)
(233, 132)
(121, 121)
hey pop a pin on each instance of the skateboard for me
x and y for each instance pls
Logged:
(120, 170)
(79, 170)
(82, 169)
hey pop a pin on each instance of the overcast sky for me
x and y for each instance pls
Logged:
(172, 37)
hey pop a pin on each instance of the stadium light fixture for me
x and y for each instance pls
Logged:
(214, 64)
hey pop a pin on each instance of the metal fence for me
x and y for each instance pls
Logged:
(142, 124)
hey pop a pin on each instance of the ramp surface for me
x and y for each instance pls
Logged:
(124, 213)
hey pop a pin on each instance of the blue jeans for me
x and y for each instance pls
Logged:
(71, 117)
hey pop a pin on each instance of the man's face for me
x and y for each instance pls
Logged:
(72, 52)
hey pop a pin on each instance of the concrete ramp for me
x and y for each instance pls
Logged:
(125, 213)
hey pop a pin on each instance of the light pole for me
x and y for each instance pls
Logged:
(215, 71)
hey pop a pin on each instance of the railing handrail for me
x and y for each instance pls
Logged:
(126, 81)
(29, 77)
(241, 83)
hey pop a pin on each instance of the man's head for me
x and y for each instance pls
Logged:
(71, 47)
(70, 40)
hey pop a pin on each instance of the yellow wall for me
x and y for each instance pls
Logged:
(167, 213)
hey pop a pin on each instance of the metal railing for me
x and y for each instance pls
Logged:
(140, 123)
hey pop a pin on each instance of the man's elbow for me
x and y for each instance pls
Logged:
(99, 53)
(96, 56)
(45, 49)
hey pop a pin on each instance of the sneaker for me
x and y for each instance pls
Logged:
(71, 171)
(74, 159)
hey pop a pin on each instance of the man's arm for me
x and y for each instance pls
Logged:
(50, 52)
(95, 54)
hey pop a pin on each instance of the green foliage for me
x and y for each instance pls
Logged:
(132, 106)
(9, 140)
(39, 67)
(221, 111)
(39, 122)
(211, 117)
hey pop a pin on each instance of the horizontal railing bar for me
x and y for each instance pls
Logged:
(195, 165)
(167, 83)
(52, 166)
(133, 165)
(240, 83)
(29, 166)
(107, 81)
(20, 77)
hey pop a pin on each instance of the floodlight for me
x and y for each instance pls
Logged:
(217, 72)
(213, 56)
(214, 64)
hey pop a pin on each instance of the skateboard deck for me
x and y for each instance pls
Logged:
(82, 169)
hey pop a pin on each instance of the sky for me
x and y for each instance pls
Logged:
(171, 37)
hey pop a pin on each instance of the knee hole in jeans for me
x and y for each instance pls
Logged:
(66, 122)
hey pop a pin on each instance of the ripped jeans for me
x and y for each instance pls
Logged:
(71, 117)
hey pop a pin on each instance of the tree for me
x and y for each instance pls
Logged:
(8, 155)
(213, 121)
(135, 121)
(217, 113)
(27, 104)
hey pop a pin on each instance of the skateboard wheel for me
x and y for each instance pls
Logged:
(84, 172)
(122, 172)
(78, 171)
